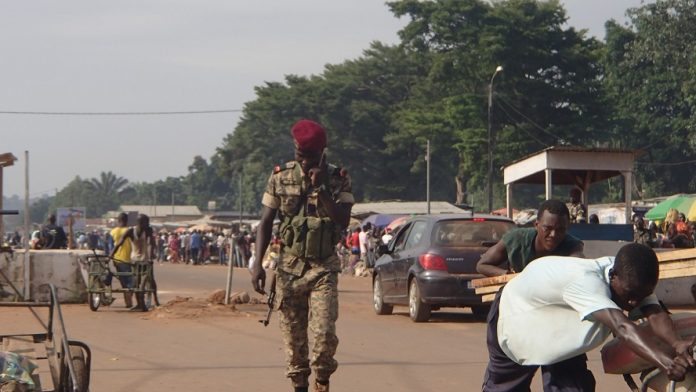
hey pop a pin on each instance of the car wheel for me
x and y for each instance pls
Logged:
(481, 311)
(378, 298)
(417, 310)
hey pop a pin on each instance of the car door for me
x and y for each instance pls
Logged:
(388, 261)
(408, 255)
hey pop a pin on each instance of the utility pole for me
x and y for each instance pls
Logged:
(27, 265)
(241, 205)
(427, 174)
(489, 182)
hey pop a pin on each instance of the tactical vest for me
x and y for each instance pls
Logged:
(308, 237)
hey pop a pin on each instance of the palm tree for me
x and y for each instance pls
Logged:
(106, 192)
(108, 184)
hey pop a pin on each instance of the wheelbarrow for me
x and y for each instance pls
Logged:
(618, 358)
(69, 361)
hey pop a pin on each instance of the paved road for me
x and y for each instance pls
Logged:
(231, 351)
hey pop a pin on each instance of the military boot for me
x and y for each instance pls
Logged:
(321, 386)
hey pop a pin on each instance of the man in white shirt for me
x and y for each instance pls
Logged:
(387, 236)
(363, 243)
(561, 307)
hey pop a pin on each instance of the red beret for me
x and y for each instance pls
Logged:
(309, 136)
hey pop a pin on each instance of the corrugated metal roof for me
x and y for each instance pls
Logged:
(404, 208)
(163, 210)
(579, 149)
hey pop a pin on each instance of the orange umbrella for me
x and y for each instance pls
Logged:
(396, 223)
(503, 212)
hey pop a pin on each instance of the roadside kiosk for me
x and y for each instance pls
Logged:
(575, 166)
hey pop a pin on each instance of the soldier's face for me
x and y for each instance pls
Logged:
(307, 159)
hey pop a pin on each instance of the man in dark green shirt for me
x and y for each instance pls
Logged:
(520, 247)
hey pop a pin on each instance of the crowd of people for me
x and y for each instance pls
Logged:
(194, 247)
(675, 232)
(360, 244)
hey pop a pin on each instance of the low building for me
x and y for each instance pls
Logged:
(163, 213)
(363, 210)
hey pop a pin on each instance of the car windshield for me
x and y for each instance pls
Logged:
(469, 232)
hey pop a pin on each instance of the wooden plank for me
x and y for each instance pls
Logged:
(488, 298)
(23, 345)
(678, 273)
(680, 254)
(672, 265)
(489, 289)
(495, 280)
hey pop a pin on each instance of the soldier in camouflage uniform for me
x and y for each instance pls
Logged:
(313, 200)
(578, 213)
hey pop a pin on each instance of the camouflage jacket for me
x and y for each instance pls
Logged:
(289, 191)
(578, 214)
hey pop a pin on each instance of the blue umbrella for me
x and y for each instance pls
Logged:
(379, 220)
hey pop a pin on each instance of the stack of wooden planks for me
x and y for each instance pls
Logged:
(673, 264)
(488, 287)
(677, 263)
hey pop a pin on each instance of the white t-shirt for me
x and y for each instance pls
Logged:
(386, 238)
(545, 312)
(363, 242)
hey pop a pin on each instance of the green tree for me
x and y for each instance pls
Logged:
(105, 192)
(650, 68)
(548, 94)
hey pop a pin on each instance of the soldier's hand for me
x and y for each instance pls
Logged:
(258, 280)
(317, 175)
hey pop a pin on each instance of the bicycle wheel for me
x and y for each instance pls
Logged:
(148, 290)
(95, 293)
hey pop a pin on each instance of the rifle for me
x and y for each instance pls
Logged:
(271, 302)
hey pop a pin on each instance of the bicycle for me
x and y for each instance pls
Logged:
(100, 278)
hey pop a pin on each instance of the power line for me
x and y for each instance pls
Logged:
(165, 113)
(522, 128)
(527, 118)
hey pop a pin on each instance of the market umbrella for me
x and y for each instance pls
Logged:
(503, 212)
(683, 203)
(379, 220)
(397, 222)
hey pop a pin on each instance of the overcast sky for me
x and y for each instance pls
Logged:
(173, 55)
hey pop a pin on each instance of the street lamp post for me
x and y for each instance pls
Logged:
(489, 184)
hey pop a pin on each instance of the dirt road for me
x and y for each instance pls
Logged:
(219, 349)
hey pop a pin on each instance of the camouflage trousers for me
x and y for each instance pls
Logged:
(309, 301)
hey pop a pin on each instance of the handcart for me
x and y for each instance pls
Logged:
(69, 361)
(618, 358)
(100, 276)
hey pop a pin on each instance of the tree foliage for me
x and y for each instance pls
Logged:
(650, 68)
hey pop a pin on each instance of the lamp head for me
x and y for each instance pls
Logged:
(499, 68)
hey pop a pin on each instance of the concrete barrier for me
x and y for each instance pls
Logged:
(61, 267)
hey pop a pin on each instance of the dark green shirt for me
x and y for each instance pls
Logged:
(519, 244)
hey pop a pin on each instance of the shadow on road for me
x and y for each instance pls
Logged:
(449, 317)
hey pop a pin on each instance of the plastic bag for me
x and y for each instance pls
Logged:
(16, 367)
